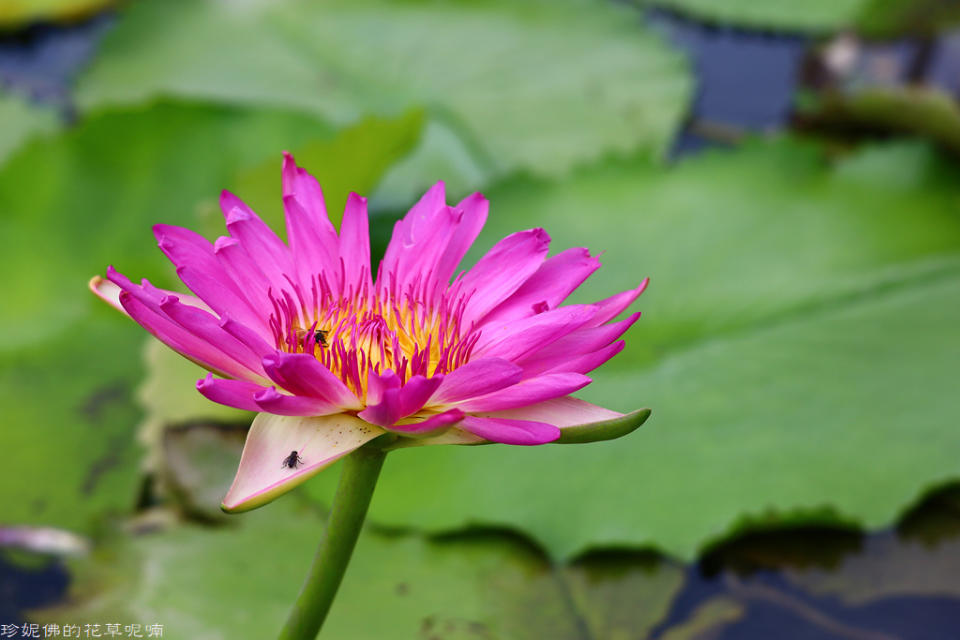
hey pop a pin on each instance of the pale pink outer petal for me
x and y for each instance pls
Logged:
(511, 430)
(531, 391)
(319, 441)
(107, 291)
(561, 412)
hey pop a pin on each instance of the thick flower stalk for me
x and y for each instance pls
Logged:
(332, 355)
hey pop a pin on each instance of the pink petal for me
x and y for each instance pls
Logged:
(502, 271)
(561, 412)
(314, 247)
(233, 393)
(304, 375)
(151, 318)
(319, 441)
(474, 216)
(550, 285)
(260, 242)
(240, 267)
(252, 339)
(609, 308)
(221, 298)
(354, 248)
(477, 378)
(590, 361)
(432, 426)
(510, 431)
(378, 383)
(571, 347)
(396, 404)
(304, 188)
(207, 328)
(271, 401)
(528, 392)
(522, 338)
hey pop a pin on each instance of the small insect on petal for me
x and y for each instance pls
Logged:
(292, 461)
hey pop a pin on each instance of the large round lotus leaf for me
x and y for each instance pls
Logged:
(798, 349)
(240, 580)
(20, 123)
(542, 85)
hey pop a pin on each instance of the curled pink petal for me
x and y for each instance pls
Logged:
(401, 402)
(430, 426)
(560, 412)
(233, 393)
(532, 391)
(272, 401)
(303, 375)
(477, 378)
(511, 431)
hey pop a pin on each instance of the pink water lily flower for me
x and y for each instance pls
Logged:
(332, 357)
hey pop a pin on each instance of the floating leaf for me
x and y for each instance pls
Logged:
(800, 326)
(226, 582)
(541, 86)
(17, 13)
(21, 121)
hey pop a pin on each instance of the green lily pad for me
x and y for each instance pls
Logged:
(812, 15)
(21, 122)
(240, 581)
(541, 86)
(874, 18)
(355, 160)
(17, 13)
(800, 327)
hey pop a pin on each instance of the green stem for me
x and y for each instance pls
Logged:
(357, 481)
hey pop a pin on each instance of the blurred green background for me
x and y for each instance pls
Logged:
(785, 173)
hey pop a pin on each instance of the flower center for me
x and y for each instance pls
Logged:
(412, 332)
